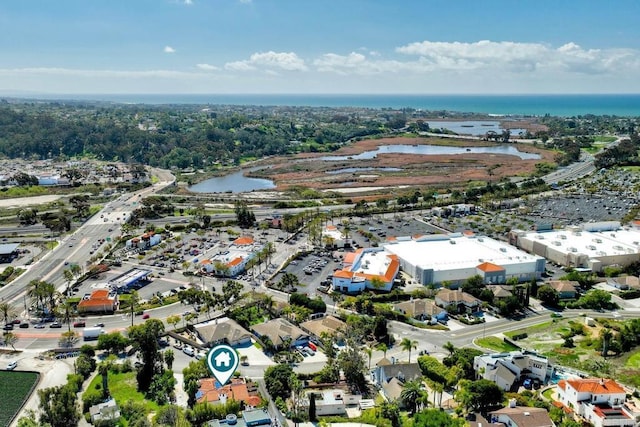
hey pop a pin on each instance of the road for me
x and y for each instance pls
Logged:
(77, 247)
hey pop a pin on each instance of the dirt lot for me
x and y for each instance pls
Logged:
(437, 171)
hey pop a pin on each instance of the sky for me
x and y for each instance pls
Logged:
(319, 46)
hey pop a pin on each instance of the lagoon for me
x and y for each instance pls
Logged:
(353, 170)
(233, 183)
(434, 150)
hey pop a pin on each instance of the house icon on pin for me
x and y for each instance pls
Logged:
(223, 359)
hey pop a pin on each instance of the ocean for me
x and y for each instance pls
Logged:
(530, 105)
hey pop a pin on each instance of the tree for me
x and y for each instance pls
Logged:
(6, 311)
(383, 348)
(68, 339)
(169, 357)
(144, 338)
(411, 394)
(174, 319)
(353, 366)
(436, 418)
(113, 342)
(191, 376)
(449, 347)
(479, 395)
(278, 379)
(547, 295)
(10, 339)
(407, 345)
(369, 352)
(58, 406)
(244, 216)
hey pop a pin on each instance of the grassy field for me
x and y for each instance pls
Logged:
(14, 389)
(124, 388)
(495, 343)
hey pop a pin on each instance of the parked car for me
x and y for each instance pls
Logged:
(12, 365)
(24, 325)
(146, 316)
(16, 321)
(188, 350)
(39, 326)
(8, 327)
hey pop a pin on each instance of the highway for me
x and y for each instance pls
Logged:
(77, 247)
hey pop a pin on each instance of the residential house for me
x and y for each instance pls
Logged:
(507, 370)
(327, 324)
(392, 377)
(223, 331)
(567, 289)
(251, 418)
(103, 412)
(280, 332)
(521, 416)
(332, 401)
(421, 309)
(99, 301)
(500, 292)
(457, 301)
(238, 390)
(599, 401)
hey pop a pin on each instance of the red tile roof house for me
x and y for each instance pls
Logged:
(237, 390)
(599, 401)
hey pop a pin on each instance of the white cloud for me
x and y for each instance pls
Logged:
(271, 60)
(169, 49)
(207, 67)
(188, 2)
(519, 57)
(239, 66)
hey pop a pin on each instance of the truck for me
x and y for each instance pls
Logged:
(89, 334)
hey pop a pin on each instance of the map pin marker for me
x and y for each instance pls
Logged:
(222, 361)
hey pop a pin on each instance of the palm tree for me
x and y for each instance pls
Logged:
(6, 310)
(408, 345)
(450, 348)
(369, 352)
(383, 348)
(10, 339)
(411, 395)
(134, 299)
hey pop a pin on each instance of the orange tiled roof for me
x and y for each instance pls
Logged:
(100, 293)
(102, 302)
(393, 267)
(244, 240)
(343, 274)
(596, 385)
(489, 267)
(349, 257)
(235, 261)
(205, 261)
(237, 391)
(331, 227)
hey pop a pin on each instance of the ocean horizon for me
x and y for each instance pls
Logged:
(568, 105)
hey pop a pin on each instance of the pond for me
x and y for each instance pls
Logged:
(434, 150)
(472, 127)
(234, 183)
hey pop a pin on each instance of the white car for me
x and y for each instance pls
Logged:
(200, 355)
(12, 365)
(188, 350)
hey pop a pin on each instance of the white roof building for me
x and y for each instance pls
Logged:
(453, 258)
(590, 246)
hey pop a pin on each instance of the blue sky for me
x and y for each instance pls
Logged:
(319, 46)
